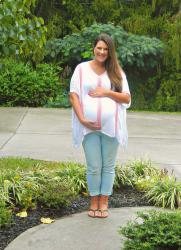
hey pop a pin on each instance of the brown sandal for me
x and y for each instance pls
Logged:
(94, 212)
(103, 211)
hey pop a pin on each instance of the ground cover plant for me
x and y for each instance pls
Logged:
(160, 187)
(158, 230)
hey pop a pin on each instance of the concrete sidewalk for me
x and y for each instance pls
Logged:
(78, 232)
(46, 134)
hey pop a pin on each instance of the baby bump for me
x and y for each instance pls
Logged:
(108, 109)
(90, 108)
(93, 107)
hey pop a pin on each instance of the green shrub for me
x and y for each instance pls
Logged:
(160, 188)
(56, 193)
(26, 189)
(19, 189)
(164, 191)
(158, 231)
(129, 173)
(141, 51)
(168, 97)
(143, 168)
(5, 216)
(60, 101)
(75, 174)
(20, 85)
(123, 176)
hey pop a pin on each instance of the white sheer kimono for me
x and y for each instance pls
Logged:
(108, 113)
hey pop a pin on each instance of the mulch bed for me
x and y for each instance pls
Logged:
(126, 197)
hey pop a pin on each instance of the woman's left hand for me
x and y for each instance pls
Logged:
(98, 92)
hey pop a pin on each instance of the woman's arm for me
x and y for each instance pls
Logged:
(116, 96)
(74, 100)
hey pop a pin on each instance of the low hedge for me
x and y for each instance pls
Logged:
(21, 85)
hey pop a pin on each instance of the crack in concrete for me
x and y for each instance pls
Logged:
(15, 132)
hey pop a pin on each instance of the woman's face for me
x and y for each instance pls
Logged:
(101, 51)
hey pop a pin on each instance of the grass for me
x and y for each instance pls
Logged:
(12, 163)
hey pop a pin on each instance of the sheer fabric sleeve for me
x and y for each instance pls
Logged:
(125, 89)
(77, 127)
(75, 81)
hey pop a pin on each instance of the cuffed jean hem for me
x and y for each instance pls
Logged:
(94, 194)
(97, 194)
(107, 194)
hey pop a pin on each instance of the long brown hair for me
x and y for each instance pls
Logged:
(111, 64)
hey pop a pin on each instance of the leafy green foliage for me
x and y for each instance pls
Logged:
(172, 39)
(76, 174)
(156, 18)
(5, 216)
(161, 190)
(157, 185)
(26, 189)
(124, 176)
(60, 101)
(19, 189)
(161, 6)
(62, 98)
(131, 172)
(158, 231)
(65, 17)
(22, 35)
(46, 184)
(164, 191)
(136, 53)
(168, 96)
(26, 184)
(161, 19)
(55, 193)
(20, 85)
(134, 50)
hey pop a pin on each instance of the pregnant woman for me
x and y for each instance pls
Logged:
(99, 95)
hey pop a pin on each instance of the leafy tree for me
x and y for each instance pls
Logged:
(69, 16)
(140, 51)
(139, 55)
(22, 35)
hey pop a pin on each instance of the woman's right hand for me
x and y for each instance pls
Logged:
(90, 124)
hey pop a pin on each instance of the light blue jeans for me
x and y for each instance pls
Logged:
(100, 153)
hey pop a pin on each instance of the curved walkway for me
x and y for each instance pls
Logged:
(77, 232)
